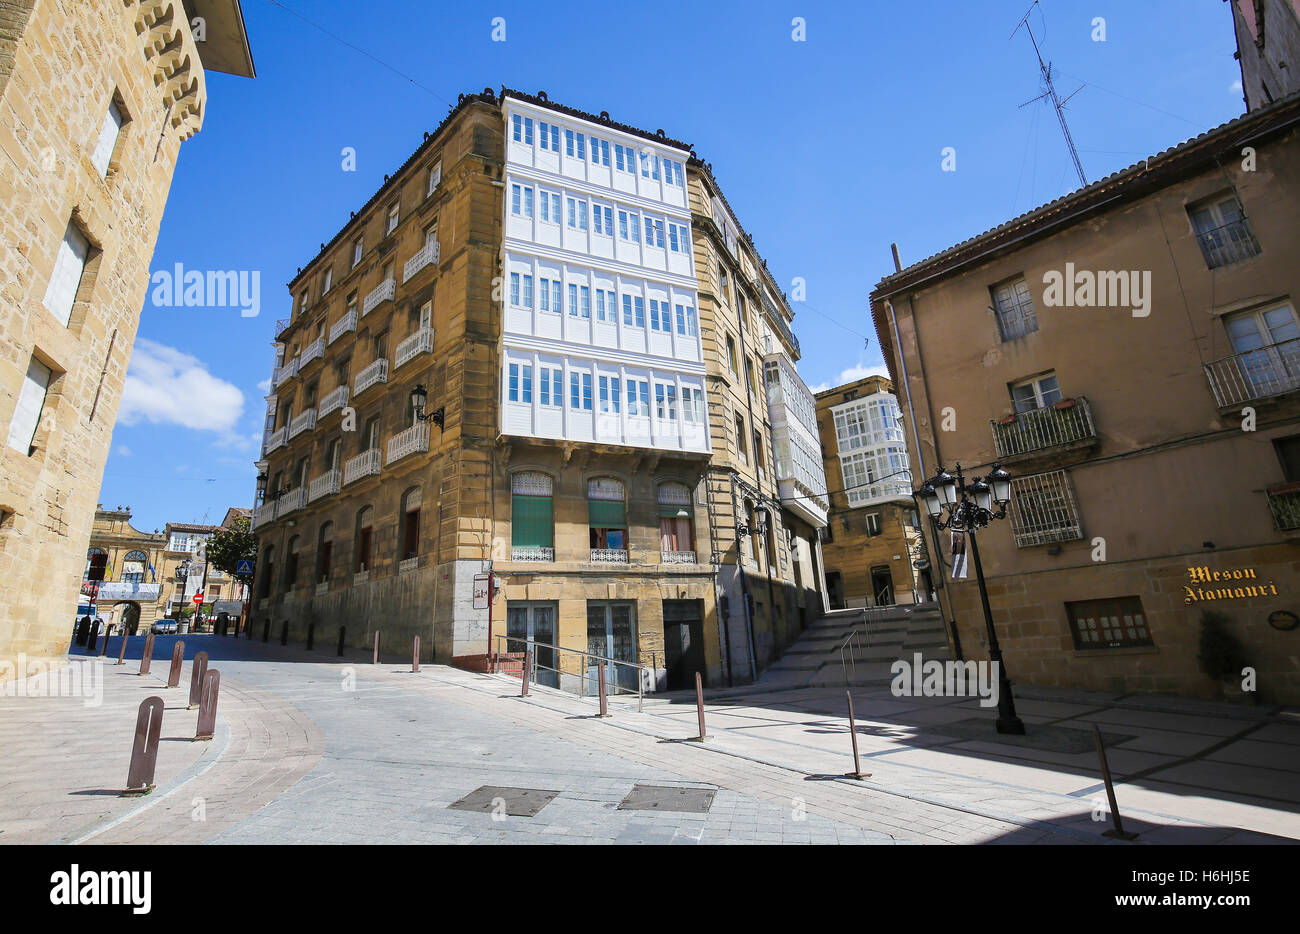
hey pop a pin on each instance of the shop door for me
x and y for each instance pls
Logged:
(683, 643)
(535, 621)
(611, 634)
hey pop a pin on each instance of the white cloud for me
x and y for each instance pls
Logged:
(123, 451)
(166, 386)
(852, 374)
(1235, 87)
(264, 385)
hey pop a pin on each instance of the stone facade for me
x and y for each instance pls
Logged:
(68, 187)
(1151, 433)
(1268, 49)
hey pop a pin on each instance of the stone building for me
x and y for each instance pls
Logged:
(507, 361)
(1268, 49)
(95, 100)
(1131, 354)
(872, 540)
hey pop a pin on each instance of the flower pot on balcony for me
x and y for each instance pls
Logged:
(1007, 420)
(1063, 405)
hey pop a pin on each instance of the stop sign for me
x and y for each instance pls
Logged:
(198, 599)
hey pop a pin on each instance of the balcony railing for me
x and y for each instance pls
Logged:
(294, 499)
(1065, 422)
(677, 557)
(286, 372)
(430, 253)
(531, 553)
(608, 556)
(264, 514)
(1284, 504)
(408, 564)
(306, 421)
(1255, 374)
(415, 438)
(1227, 244)
(313, 351)
(280, 325)
(340, 327)
(276, 438)
(1043, 510)
(325, 485)
(774, 316)
(377, 372)
(332, 400)
(419, 342)
(381, 293)
(365, 464)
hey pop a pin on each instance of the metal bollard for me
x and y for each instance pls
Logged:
(528, 667)
(178, 658)
(600, 675)
(197, 671)
(92, 638)
(699, 708)
(376, 661)
(415, 656)
(121, 653)
(1117, 832)
(103, 649)
(853, 734)
(146, 657)
(144, 748)
(208, 706)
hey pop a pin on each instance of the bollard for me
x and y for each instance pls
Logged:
(197, 671)
(528, 667)
(266, 630)
(600, 680)
(146, 657)
(699, 709)
(284, 633)
(144, 749)
(121, 653)
(415, 656)
(103, 649)
(376, 647)
(311, 635)
(208, 706)
(92, 638)
(853, 734)
(342, 633)
(1117, 832)
(178, 658)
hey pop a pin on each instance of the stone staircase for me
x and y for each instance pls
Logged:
(857, 646)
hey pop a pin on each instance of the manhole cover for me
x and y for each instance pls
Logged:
(517, 802)
(665, 798)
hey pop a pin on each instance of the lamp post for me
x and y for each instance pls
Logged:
(969, 508)
(182, 574)
(419, 399)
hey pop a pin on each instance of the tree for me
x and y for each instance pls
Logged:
(227, 547)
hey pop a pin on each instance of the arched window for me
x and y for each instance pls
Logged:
(676, 524)
(268, 571)
(411, 501)
(532, 517)
(363, 540)
(96, 564)
(133, 566)
(291, 564)
(607, 514)
(324, 552)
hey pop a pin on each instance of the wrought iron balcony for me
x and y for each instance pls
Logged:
(1228, 244)
(1255, 374)
(305, 421)
(677, 557)
(365, 464)
(332, 400)
(1066, 422)
(313, 351)
(294, 499)
(419, 342)
(286, 372)
(1284, 504)
(340, 327)
(381, 293)
(280, 325)
(326, 484)
(608, 556)
(430, 253)
(263, 514)
(413, 439)
(276, 438)
(377, 372)
(408, 564)
(531, 553)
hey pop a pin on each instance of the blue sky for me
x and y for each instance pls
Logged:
(828, 149)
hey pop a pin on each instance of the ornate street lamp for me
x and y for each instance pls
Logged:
(182, 574)
(419, 399)
(969, 508)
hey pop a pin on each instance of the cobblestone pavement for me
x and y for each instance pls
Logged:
(313, 749)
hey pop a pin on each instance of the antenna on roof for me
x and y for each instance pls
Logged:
(1049, 92)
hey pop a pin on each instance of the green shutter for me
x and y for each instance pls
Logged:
(531, 523)
(606, 514)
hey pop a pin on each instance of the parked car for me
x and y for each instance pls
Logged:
(164, 626)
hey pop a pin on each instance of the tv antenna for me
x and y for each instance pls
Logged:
(1049, 92)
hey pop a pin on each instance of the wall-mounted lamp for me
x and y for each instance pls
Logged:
(419, 399)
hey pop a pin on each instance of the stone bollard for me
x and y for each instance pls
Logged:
(178, 658)
(144, 749)
(197, 671)
(208, 706)
(146, 658)
(415, 656)
(600, 681)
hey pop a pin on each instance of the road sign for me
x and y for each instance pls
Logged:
(198, 599)
(244, 566)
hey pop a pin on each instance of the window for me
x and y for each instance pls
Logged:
(610, 394)
(364, 539)
(731, 355)
(324, 552)
(521, 290)
(693, 405)
(1222, 230)
(686, 322)
(577, 214)
(435, 178)
(602, 219)
(329, 281)
(133, 567)
(666, 402)
(1043, 510)
(649, 165)
(607, 515)
(107, 141)
(548, 206)
(740, 440)
(1288, 453)
(532, 518)
(633, 311)
(638, 397)
(600, 151)
(411, 502)
(660, 319)
(268, 572)
(521, 200)
(550, 386)
(606, 309)
(628, 228)
(575, 144)
(679, 238)
(358, 247)
(27, 413)
(654, 232)
(65, 278)
(676, 523)
(548, 136)
(1108, 624)
(876, 472)
(580, 391)
(1036, 393)
(759, 459)
(370, 438)
(522, 129)
(290, 565)
(544, 295)
(579, 301)
(1254, 330)
(393, 214)
(1015, 309)
(873, 523)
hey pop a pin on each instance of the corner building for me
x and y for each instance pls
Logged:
(534, 268)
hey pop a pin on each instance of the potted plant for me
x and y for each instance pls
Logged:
(1221, 654)
(1007, 419)
(1063, 404)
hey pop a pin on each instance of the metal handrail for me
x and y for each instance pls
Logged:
(854, 641)
(613, 687)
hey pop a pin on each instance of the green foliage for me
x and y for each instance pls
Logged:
(227, 547)
(1221, 654)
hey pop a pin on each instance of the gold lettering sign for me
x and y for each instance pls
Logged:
(1228, 584)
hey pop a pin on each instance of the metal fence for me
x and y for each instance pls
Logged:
(1044, 427)
(1255, 374)
(581, 677)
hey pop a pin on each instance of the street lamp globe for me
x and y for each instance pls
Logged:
(982, 494)
(945, 487)
(929, 500)
(1001, 482)
(419, 399)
